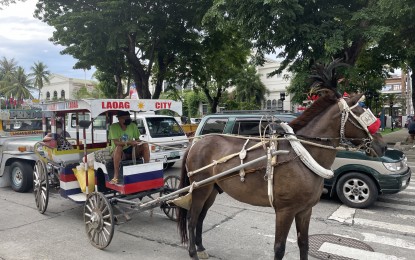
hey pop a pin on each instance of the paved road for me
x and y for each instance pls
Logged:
(232, 230)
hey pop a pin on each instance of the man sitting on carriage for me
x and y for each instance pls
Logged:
(124, 136)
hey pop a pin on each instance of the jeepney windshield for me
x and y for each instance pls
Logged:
(17, 125)
(162, 126)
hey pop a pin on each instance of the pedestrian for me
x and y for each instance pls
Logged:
(411, 129)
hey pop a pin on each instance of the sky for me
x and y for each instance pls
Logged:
(25, 39)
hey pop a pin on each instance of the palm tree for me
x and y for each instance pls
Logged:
(19, 87)
(40, 75)
(7, 69)
(249, 87)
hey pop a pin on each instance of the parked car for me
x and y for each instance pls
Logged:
(358, 179)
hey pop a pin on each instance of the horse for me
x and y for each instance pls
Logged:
(329, 122)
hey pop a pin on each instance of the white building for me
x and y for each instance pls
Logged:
(61, 87)
(276, 85)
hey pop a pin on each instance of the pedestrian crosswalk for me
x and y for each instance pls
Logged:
(388, 227)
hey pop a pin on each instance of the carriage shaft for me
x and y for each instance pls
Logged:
(217, 176)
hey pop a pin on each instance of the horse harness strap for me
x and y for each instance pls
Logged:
(223, 159)
(242, 156)
(363, 121)
(269, 173)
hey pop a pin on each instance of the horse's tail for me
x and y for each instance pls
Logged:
(182, 213)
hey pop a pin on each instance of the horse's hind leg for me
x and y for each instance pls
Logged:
(302, 223)
(199, 227)
(282, 227)
(199, 198)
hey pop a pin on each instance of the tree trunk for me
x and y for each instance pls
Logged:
(119, 86)
(140, 76)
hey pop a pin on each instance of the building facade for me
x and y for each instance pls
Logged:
(62, 88)
(278, 98)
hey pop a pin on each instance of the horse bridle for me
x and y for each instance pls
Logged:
(365, 119)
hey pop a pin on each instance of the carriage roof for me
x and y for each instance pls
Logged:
(99, 106)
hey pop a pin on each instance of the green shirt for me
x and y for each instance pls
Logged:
(129, 134)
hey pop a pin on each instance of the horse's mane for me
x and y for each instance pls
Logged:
(320, 105)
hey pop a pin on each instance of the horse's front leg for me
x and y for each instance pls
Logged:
(283, 222)
(302, 223)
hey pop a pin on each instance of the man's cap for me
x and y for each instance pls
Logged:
(123, 113)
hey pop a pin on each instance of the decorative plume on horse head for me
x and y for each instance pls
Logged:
(282, 170)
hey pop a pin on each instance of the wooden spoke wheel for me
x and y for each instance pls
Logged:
(41, 186)
(171, 183)
(99, 220)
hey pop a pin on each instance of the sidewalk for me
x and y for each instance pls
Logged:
(397, 140)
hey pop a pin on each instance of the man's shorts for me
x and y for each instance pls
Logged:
(129, 150)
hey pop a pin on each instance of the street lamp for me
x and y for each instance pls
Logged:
(282, 98)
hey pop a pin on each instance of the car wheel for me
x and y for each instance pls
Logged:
(356, 190)
(21, 176)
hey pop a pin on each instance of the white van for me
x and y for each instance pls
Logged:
(167, 140)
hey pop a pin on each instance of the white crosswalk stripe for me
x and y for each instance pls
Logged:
(388, 226)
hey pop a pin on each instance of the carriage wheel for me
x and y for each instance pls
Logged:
(99, 220)
(41, 186)
(171, 183)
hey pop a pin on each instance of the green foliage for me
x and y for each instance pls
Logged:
(14, 81)
(40, 76)
(249, 87)
(107, 87)
(123, 37)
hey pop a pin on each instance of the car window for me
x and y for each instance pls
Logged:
(163, 127)
(286, 118)
(248, 128)
(214, 125)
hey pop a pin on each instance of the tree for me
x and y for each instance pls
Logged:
(122, 37)
(249, 87)
(215, 60)
(400, 40)
(304, 32)
(7, 69)
(19, 87)
(40, 76)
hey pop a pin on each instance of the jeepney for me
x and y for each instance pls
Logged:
(20, 130)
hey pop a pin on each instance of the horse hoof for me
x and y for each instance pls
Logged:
(203, 255)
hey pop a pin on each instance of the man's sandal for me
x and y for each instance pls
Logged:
(114, 181)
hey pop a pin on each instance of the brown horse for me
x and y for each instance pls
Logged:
(296, 189)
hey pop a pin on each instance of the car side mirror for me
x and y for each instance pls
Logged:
(142, 130)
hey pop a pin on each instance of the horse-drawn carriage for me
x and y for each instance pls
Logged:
(297, 157)
(81, 168)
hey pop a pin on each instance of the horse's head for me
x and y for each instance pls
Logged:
(359, 126)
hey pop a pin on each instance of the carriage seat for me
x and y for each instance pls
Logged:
(104, 156)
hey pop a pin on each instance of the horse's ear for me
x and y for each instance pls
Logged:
(354, 99)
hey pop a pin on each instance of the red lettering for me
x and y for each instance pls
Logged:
(163, 105)
(73, 104)
(115, 105)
